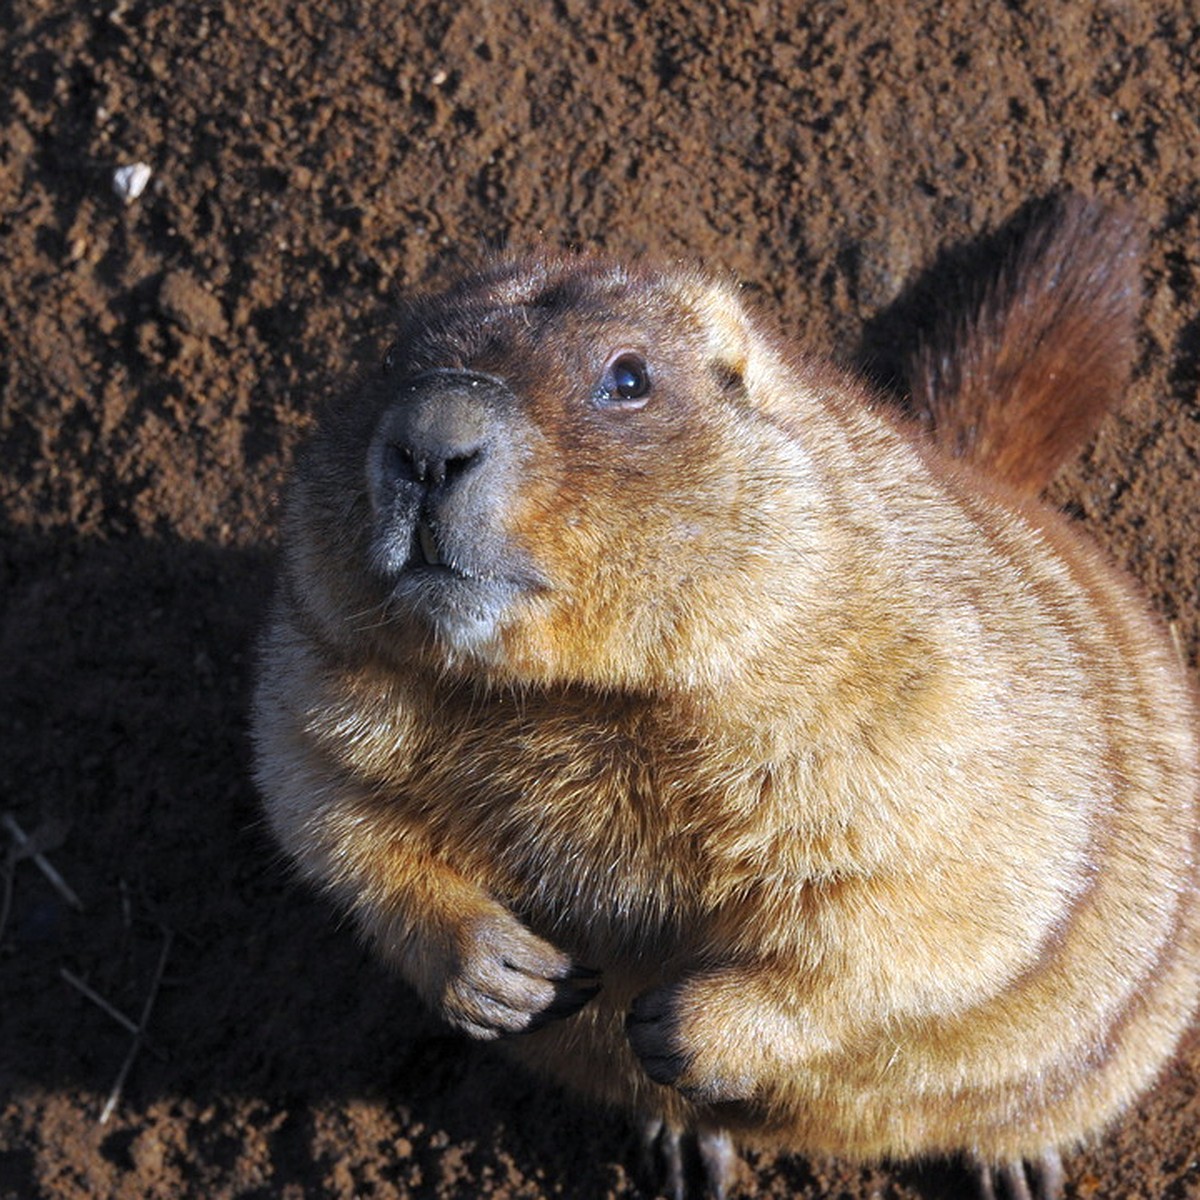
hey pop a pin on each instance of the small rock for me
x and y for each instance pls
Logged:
(130, 182)
(183, 301)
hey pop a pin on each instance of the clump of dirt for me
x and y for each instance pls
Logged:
(163, 355)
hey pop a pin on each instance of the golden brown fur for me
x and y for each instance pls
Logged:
(862, 782)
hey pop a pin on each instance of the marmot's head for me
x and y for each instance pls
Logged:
(560, 475)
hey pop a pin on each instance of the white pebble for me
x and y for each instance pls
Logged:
(130, 182)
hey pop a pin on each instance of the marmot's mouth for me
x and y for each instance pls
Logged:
(428, 557)
(426, 543)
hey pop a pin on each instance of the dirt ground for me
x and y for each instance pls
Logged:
(162, 356)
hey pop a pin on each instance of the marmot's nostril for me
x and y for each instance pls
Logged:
(455, 466)
(399, 464)
(433, 466)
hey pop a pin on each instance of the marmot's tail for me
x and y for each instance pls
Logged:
(1017, 382)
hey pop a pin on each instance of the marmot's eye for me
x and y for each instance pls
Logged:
(626, 381)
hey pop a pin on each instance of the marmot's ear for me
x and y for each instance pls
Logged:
(724, 320)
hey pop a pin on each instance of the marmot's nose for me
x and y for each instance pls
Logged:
(429, 463)
(441, 429)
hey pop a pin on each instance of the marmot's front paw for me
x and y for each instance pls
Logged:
(666, 1031)
(505, 979)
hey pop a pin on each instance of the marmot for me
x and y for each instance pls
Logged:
(783, 770)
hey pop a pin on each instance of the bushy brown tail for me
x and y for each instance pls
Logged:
(1016, 374)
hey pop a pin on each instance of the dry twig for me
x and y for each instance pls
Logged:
(140, 1034)
(114, 1012)
(28, 848)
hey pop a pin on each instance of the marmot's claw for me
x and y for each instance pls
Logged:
(1044, 1180)
(570, 996)
(684, 1165)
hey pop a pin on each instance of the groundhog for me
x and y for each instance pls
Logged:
(776, 764)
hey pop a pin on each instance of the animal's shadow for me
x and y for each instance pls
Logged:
(125, 671)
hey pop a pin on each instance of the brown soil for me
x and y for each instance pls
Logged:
(162, 356)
